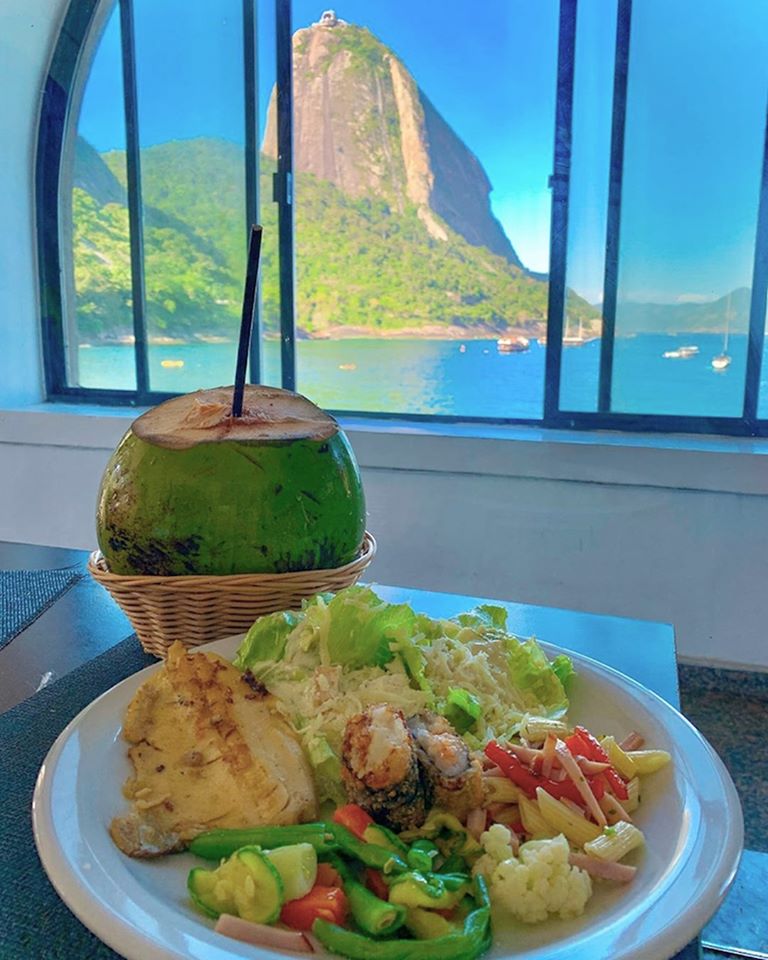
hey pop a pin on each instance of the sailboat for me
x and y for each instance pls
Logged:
(722, 361)
(569, 340)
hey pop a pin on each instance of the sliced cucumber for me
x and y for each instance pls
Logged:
(209, 893)
(297, 866)
(247, 885)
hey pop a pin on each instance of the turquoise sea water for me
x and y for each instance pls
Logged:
(453, 377)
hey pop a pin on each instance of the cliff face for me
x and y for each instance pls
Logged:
(362, 123)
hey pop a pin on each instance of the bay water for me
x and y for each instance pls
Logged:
(470, 378)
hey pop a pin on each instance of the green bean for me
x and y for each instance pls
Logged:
(474, 939)
(215, 844)
(372, 855)
(373, 915)
(421, 855)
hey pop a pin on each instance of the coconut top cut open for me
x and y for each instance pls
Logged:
(269, 414)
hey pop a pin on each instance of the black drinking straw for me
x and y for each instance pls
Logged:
(246, 320)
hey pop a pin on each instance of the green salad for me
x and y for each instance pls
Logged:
(342, 653)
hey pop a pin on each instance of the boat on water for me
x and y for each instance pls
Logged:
(577, 339)
(171, 363)
(513, 344)
(681, 353)
(723, 360)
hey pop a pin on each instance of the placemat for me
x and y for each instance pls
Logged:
(25, 594)
(34, 923)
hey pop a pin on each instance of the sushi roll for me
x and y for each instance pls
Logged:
(453, 777)
(380, 770)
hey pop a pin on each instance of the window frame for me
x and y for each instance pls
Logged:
(57, 104)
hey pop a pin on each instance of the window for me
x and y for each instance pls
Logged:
(548, 213)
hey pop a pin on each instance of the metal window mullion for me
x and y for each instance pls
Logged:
(757, 300)
(613, 220)
(252, 166)
(133, 177)
(283, 193)
(559, 182)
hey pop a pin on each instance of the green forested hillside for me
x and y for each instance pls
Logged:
(361, 267)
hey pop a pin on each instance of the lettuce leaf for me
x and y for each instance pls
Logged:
(266, 638)
(485, 616)
(363, 628)
(534, 682)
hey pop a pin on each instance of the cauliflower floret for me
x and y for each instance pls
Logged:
(537, 882)
(497, 847)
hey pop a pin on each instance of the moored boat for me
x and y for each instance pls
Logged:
(513, 344)
(681, 353)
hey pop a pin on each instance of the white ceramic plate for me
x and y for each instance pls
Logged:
(690, 815)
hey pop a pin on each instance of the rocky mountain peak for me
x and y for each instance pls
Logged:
(362, 122)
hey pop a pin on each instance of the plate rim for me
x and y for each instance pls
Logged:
(119, 934)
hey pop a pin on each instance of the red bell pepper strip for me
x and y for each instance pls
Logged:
(528, 781)
(586, 745)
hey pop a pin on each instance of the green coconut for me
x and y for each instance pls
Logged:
(192, 490)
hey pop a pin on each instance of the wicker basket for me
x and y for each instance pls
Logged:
(200, 609)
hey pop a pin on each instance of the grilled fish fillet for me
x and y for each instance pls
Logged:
(209, 750)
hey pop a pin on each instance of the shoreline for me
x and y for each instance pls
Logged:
(340, 333)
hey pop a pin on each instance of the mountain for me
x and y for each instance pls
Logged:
(710, 317)
(394, 232)
(362, 123)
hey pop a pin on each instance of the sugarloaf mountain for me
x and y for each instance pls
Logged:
(191, 489)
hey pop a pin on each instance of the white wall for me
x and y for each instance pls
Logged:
(675, 533)
(27, 28)
(657, 528)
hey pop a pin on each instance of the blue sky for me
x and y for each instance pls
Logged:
(696, 114)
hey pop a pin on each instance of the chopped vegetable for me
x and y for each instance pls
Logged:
(216, 844)
(321, 903)
(297, 866)
(383, 837)
(539, 881)
(582, 742)
(461, 708)
(375, 883)
(422, 854)
(371, 854)
(247, 885)
(529, 782)
(354, 818)
(429, 890)
(374, 915)
(468, 944)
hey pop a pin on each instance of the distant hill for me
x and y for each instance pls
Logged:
(709, 317)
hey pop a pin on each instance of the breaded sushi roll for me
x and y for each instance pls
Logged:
(380, 770)
(454, 778)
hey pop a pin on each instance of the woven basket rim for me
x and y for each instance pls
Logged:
(97, 567)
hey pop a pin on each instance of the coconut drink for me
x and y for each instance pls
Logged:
(192, 489)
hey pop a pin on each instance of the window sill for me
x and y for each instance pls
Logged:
(732, 465)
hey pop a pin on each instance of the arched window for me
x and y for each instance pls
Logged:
(549, 213)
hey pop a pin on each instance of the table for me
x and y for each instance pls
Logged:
(85, 622)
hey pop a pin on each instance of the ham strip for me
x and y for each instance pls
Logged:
(604, 869)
